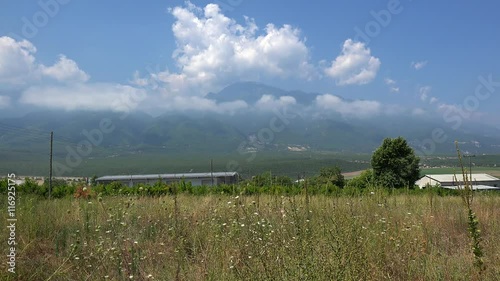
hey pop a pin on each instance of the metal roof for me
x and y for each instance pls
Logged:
(475, 187)
(167, 176)
(451, 177)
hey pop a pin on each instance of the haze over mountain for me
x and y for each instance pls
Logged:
(278, 120)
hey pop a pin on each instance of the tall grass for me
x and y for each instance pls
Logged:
(467, 194)
(260, 237)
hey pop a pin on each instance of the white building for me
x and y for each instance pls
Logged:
(451, 181)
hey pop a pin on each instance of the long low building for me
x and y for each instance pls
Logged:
(196, 179)
(449, 181)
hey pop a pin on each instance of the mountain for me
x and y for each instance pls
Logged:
(203, 134)
(251, 92)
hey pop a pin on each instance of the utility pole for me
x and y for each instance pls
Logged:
(212, 171)
(50, 164)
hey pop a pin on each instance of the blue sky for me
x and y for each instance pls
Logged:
(425, 59)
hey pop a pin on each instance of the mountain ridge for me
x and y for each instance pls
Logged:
(223, 133)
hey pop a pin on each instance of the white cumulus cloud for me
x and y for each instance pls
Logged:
(356, 108)
(389, 81)
(91, 96)
(19, 68)
(214, 50)
(424, 92)
(419, 64)
(355, 65)
(196, 103)
(269, 102)
(65, 70)
(392, 85)
(17, 61)
(62, 85)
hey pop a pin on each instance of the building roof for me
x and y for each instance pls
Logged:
(451, 177)
(167, 176)
(474, 187)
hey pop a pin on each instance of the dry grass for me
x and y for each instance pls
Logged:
(375, 237)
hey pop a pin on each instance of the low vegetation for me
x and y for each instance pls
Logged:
(268, 227)
(375, 236)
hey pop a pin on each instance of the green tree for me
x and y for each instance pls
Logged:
(268, 179)
(395, 164)
(364, 180)
(4, 183)
(93, 180)
(331, 175)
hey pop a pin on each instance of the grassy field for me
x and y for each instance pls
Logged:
(374, 237)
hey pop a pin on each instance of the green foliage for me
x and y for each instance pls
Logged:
(268, 179)
(31, 187)
(4, 183)
(364, 180)
(395, 164)
(93, 180)
(331, 175)
(59, 188)
(354, 187)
